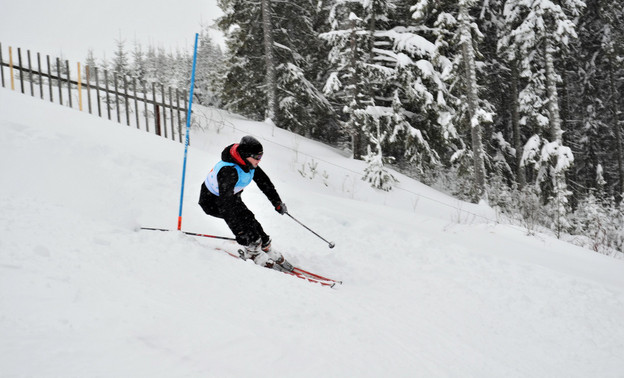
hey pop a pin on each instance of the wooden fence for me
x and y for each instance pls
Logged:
(146, 106)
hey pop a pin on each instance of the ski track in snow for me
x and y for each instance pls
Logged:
(83, 293)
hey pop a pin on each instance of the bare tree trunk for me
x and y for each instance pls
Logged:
(358, 139)
(271, 79)
(473, 103)
(560, 192)
(371, 30)
(553, 102)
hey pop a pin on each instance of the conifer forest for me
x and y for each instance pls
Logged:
(515, 103)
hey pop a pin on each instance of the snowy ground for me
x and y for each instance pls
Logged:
(431, 289)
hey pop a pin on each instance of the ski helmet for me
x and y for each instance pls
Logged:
(250, 146)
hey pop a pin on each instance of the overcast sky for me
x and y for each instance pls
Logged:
(71, 27)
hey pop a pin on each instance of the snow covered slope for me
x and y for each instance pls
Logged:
(430, 291)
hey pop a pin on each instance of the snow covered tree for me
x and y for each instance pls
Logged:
(594, 82)
(457, 36)
(138, 67)
(300, 53)
(347, 83)
(600, 221)
(208, 71)
(90, 60)
(120, 62)
(476, 113)
(299, 105)
(386, 74)
(243, 83)
(151, 65)
(375, 172)
(590, 219)
(538, 32)
(418, 84)
(165, 66)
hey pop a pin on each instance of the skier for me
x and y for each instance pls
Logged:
(220, 197)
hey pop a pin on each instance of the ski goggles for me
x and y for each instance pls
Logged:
(256, 156)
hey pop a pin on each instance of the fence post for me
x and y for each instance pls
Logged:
(156, 117)
(107, 94)
(88, 77)
(164, 111)
(125, 81)
(1, 66)
(30, 77)
(21, 73)
(79, 88)
(50, 79)
(136, 102)
(145, 104)
(40, 75)
(116, 96)
(178, 110)
(68, 84)
(97, 92)
(58, 79)
(171, 114)
(11, 68)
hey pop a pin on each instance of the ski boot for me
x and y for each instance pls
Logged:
(272, 253)
(254, 252)
(280, 262)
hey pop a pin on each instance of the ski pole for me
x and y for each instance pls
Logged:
(189, 233)
(331, 244)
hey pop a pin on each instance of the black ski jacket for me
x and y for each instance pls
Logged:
(227, 204)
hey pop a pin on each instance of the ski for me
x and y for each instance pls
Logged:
(316, 276)
(287, 268)
(302, 276)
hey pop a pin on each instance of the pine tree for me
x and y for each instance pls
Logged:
(595, 95)
(139, 68)
(208, 71)
(90, 60)
(120, 61)
(476, 113)
(151, 65)
(244, 80)
(299, 105)
(303, 108)
(347, 84)
(538, 32)
(457, 36)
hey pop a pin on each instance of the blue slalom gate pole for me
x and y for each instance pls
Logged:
(188, 127)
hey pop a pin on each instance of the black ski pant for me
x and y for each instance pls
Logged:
(237, 216)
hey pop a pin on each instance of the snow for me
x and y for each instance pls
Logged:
(563, 154)
(410, 42)
(431, 286)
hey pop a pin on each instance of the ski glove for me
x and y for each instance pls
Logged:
(281, 208)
